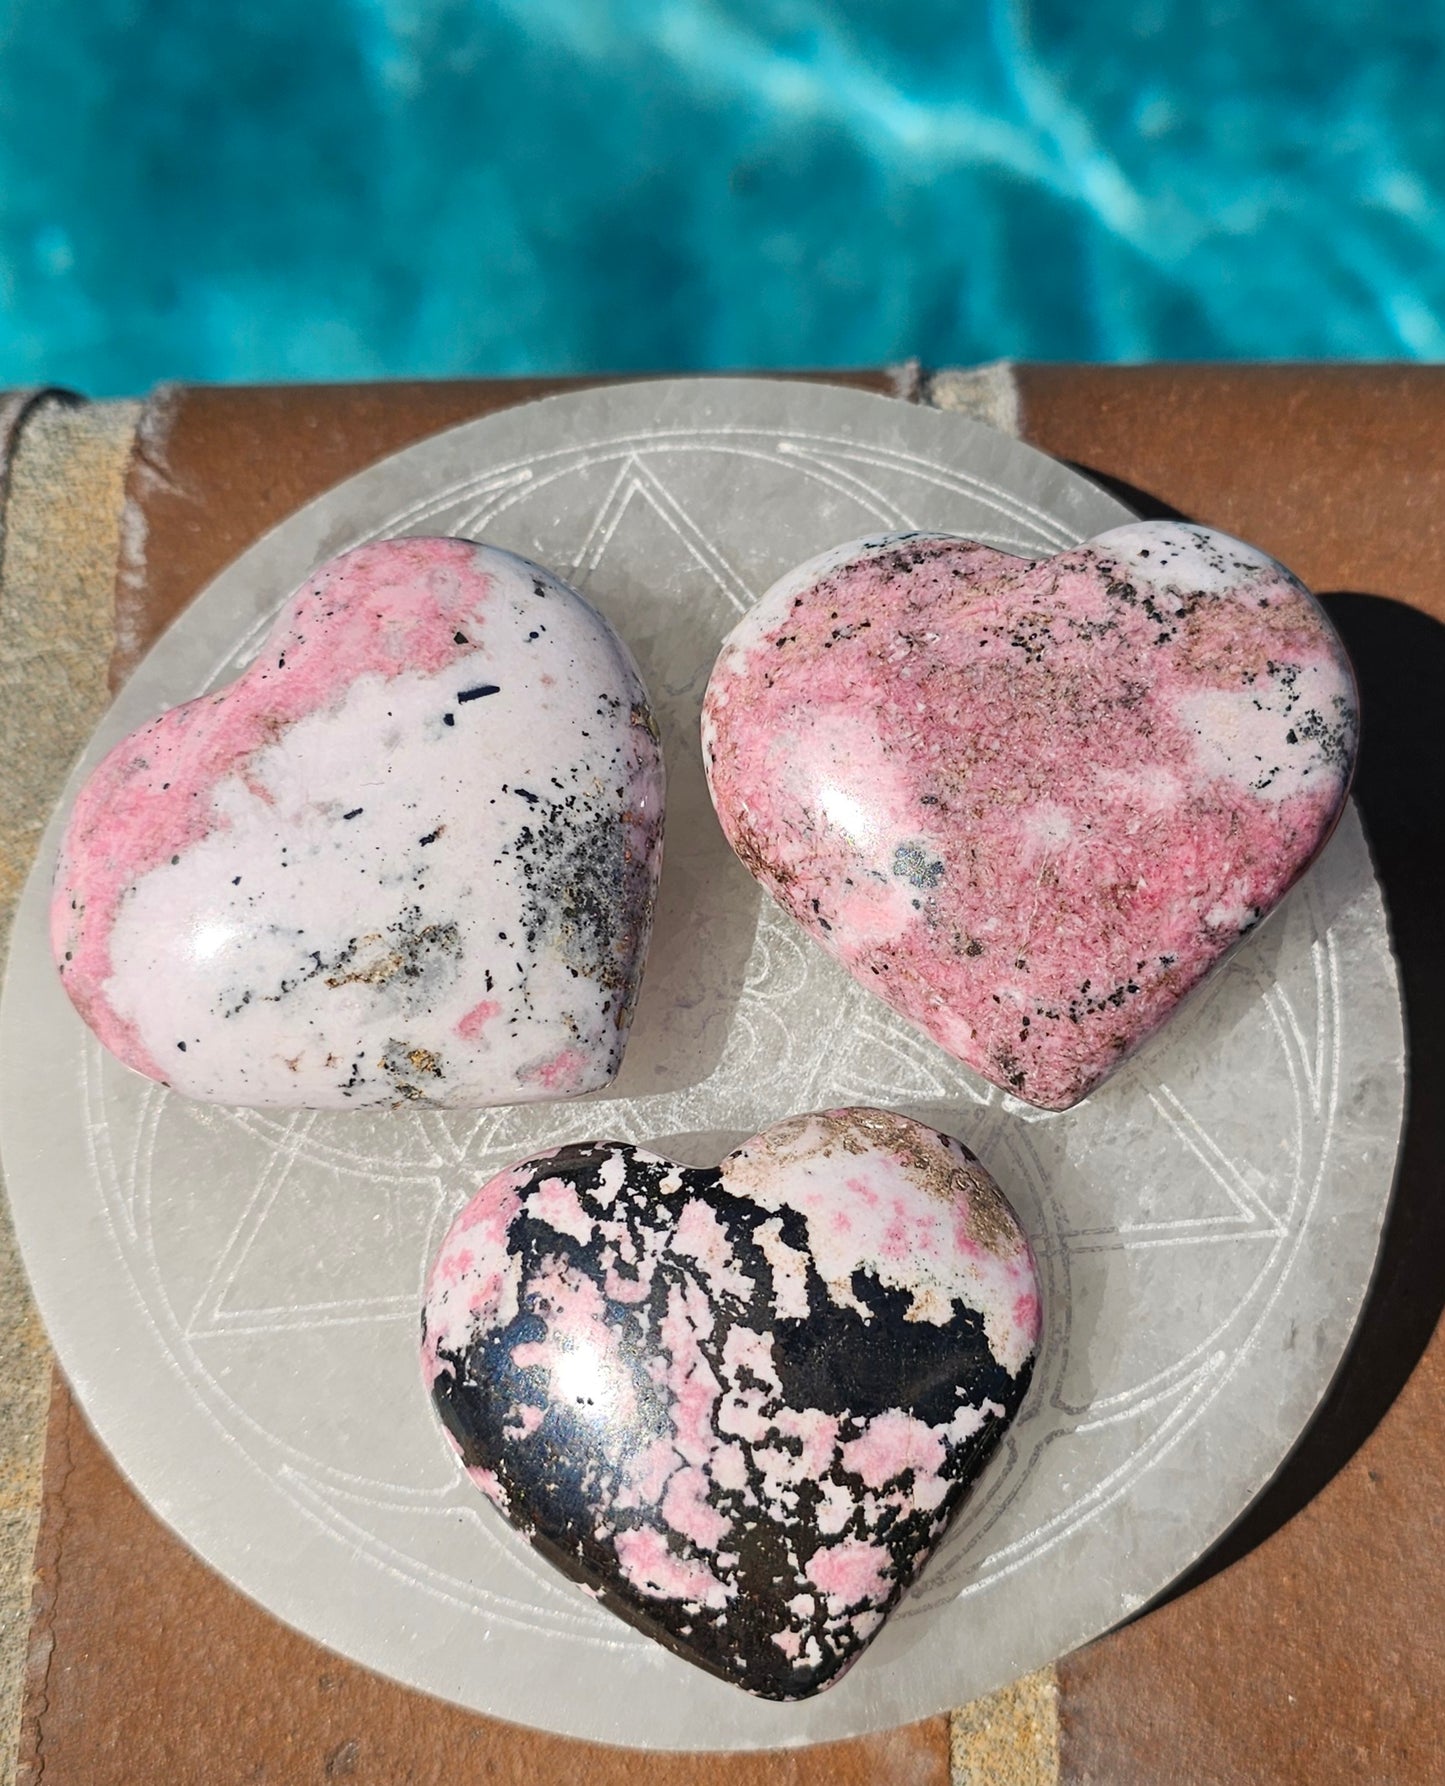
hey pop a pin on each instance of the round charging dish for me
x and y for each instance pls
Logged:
(235, 1294)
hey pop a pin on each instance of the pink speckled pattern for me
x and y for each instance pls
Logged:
(1032, 804)
(410, 854)
(740, 1405)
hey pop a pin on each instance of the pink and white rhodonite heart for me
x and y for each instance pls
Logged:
(1031, 803)
(409, 854)
(740, 1404)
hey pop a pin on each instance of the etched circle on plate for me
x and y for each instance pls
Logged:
(235, 1293)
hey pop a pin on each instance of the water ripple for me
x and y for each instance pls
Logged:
(364, 187)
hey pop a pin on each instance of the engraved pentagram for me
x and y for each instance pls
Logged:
(274, 1260)
(410, 1174)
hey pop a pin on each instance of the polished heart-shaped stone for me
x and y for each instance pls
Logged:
(1030, 803)
(410, 853)
(740, 1405)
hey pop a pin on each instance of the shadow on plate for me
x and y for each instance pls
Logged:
(1399, 658)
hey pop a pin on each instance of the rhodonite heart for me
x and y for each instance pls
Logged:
(409, 854)
(741, 1405)
(1031, 804)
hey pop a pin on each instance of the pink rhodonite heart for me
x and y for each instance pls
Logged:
(410, 853)
(740, 1404)
(1031, 804)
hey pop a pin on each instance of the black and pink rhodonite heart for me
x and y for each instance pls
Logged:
(738, 1404)
(1031, 804)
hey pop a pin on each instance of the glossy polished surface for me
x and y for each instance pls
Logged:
(411, 853)
(740, 1405)
(1031, 804)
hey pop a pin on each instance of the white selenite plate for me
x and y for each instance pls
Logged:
(234, 1294)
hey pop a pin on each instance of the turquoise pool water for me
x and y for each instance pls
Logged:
(340, 188)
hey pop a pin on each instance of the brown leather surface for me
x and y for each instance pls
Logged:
(1319, 1659)
(1320, 1656)
(1337, 470)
